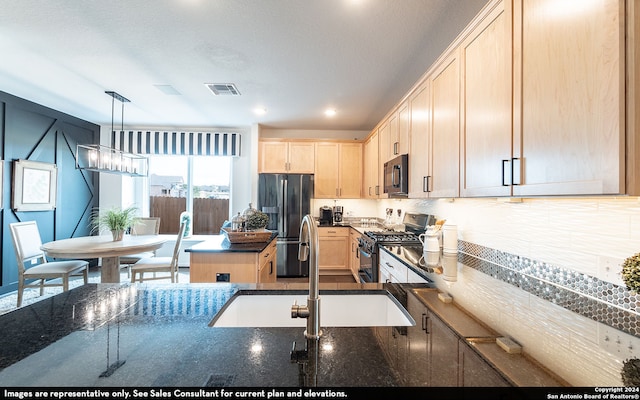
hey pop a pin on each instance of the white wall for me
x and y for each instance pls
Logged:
(581, 234)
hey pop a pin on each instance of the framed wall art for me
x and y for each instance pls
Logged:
(34, 186)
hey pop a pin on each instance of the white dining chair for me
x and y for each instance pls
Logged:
(159, 264)
(142, 226)
(33, 263)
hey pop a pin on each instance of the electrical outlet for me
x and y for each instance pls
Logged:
(618, 343)
(609, 269)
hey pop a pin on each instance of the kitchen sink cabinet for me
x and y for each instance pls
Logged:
(433, 349)
(281, 156)
(338, 171)
(476, 372)
(334, 250)
(438, 353)
(394, 343)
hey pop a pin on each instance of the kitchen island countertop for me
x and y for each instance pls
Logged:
(155, 335)
(220, 243)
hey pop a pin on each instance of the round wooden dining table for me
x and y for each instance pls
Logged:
(104, 247)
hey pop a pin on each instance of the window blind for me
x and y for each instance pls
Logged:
(177, 143)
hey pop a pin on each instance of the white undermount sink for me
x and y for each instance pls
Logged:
(337, 309)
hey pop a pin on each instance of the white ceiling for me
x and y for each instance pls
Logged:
(293, 57)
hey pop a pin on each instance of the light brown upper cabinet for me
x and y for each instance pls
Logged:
(420, 143)
(371, 187)
(569, 97)
(400, 141)
(486, 137)
(434, 110)
(338, 172)
(445, 128)
(284, 156)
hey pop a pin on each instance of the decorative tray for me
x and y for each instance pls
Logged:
(261, 235)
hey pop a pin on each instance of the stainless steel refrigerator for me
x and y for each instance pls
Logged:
(286, 198)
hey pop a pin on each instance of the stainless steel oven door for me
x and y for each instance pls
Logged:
(368, 267)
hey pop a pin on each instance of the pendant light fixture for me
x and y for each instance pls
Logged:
(96, 157)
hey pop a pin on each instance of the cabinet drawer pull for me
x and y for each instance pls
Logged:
(426, 184)
(515, 172)
(389, 265)
(424, 323)
(504, 173)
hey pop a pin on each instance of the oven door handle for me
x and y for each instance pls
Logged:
(364, 253)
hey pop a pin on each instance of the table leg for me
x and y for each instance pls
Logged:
(110, 271)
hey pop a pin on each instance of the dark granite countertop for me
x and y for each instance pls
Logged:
(157, 335)
(220, 243)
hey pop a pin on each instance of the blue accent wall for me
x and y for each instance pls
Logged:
(33, 132)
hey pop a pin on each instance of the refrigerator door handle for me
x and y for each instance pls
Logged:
(285, 206)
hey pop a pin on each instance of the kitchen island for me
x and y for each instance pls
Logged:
(157, 335)
(218, 260)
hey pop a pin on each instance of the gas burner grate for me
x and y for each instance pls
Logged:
(392, 237)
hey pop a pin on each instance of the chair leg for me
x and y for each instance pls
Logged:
(20, 291)
(85, 275)
(65, 283)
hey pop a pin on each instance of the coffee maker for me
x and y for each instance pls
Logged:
(326, 216)
(337, 214)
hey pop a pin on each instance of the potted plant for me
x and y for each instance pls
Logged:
(257, 221)
(631, 273)
(115, 219)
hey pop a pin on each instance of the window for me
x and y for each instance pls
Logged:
(197, 184)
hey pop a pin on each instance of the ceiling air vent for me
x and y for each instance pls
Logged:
(223, 89)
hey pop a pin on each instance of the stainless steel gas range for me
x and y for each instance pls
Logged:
(415, 224)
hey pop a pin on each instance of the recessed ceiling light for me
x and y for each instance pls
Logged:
(330, 112)
(260, 111)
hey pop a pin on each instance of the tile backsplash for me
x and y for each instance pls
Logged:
(546, 272)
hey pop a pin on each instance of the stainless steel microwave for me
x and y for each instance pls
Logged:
(396, 176)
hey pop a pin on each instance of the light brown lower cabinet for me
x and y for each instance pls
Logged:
(334, 250)
(234, 267)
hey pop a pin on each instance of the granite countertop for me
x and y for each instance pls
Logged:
(159, 336)
(151, 335)
(220, 243)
